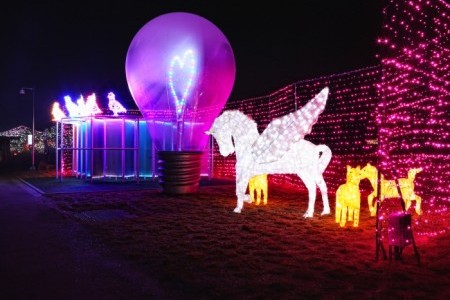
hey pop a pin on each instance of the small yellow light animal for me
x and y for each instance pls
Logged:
(258, 184)
(389, 188)
(348, 198)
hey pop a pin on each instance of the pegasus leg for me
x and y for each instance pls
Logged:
(251, 190)
(241, 187)
(311, 186)
(324, 192)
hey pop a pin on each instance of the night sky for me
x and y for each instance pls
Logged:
(73, 48)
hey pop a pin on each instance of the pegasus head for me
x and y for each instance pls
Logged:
(222, 135)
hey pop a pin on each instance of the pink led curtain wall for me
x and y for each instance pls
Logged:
(413, 115)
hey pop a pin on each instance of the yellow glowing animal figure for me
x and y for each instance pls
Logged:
(258, 184)
(348, 198)
(389, 188)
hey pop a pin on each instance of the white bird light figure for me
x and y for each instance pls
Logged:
(92, 106)
(57, 112)
(82, 109)
(114, 105)
(71, 107)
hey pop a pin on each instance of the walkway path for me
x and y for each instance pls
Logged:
(44, 255)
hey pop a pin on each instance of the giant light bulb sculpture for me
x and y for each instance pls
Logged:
(180, 70)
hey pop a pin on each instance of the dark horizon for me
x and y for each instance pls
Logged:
(78, 49)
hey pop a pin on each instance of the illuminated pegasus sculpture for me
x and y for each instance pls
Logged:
(280, 149)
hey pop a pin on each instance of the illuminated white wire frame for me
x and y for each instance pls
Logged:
(280, 149)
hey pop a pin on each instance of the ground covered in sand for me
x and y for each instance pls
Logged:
(197, 248)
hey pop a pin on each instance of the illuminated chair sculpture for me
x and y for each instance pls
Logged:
(400, 235)
(258, 184)
(348, 198)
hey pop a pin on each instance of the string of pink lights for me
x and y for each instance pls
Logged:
(413, 112)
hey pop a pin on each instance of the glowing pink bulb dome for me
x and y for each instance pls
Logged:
(180, 70)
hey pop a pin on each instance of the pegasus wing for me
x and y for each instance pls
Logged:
(284, 131)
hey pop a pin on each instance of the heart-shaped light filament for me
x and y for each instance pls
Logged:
(182, 74)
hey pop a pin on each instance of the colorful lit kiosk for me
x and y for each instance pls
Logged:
(92, 144)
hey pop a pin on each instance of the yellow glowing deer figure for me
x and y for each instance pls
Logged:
(259, 185)
(389, 188)
(348, 198)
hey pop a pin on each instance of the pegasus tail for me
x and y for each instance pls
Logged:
(325, 156)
